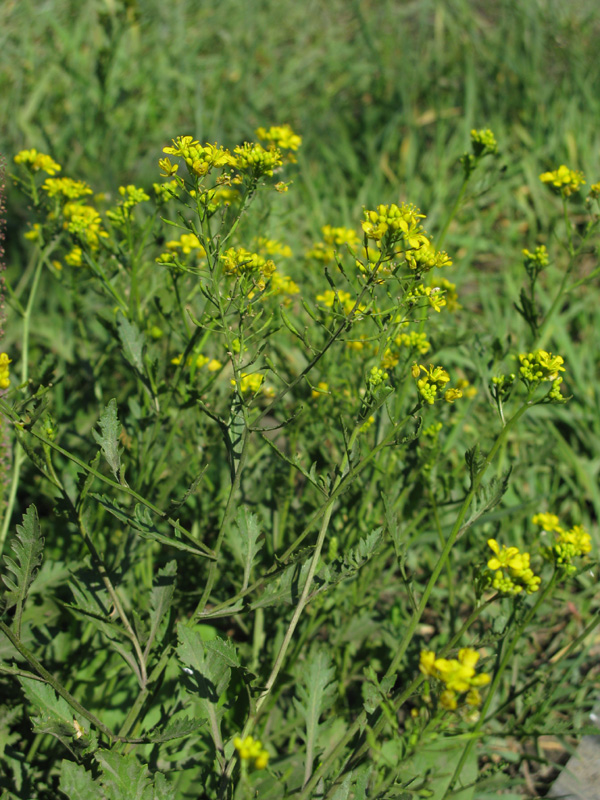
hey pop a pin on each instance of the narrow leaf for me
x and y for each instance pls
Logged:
(177, 730)
(161, 599)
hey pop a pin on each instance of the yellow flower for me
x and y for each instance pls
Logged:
(507, 557)
(448, 700)
(4, 371)
(35, 161)
(321, 389)
(564, 180)
(549, 522)
(67, 187)
(250, 382)
(280, 135)
(250, 749)
(427, 663)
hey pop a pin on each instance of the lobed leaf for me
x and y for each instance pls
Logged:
(108, 439)
(28, 547)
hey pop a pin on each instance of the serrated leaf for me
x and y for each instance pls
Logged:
(177, 730)
(77, 783)
(109, 438)
(163, 790)
(243, 540)
(210, 662)
(28, 547)
(142, 522)
(161, 599)
(133, 342)
(474, 461)
(124, 777)
(52, 713)
(286, 588)
(315, 692)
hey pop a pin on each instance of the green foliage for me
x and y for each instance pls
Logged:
(284, 556)
(28, 547)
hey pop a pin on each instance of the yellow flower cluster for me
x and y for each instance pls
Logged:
(253, 160)
(538, 258)
(281, 136)
(187, 244)
(542, 366)
(434, 295)
(85, 223)
(512, 571)
(4, 371)
(450, 293)
(413, 340)
(240, 262)
(483, 141)
(376, 377)
(329, 299)
(200, 159)
(563, 180)
(272, 247)
(249, 382)
(132, 196)
(388, 225)
(333, 240)
(250, 749)
(165, 191)
(458, 676)
(569, 544)
(433, 381)
(35, 161)
(212, 364)
(67, 187)
(283, 284)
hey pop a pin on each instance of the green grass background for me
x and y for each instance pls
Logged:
(384, 94)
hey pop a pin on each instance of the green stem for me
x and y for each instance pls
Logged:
(416, 617)
(19, 455)
(398, 702)
(496, 682)
(203, 550)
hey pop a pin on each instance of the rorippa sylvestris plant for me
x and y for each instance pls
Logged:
(265, 525)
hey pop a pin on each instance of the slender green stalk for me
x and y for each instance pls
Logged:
(19, 455)
(200, 548)
(416, 617)
(506, 658)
